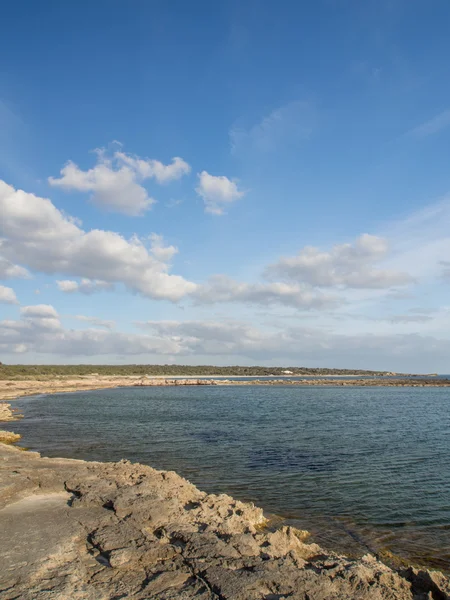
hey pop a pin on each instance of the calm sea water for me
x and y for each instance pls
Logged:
(364, 469)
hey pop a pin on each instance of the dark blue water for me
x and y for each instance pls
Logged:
(362, 468)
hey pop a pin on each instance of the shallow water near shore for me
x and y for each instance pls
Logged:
(364, 469)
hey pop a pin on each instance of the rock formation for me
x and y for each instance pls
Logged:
(74, 530)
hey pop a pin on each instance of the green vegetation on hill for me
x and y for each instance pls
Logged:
(38, 371)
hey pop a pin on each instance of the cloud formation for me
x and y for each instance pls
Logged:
(85, 286)
(40, 318)
(10, 271)
(40, 331)
(7, 295)
(304, 345)
(218, 192)
(95, 321)
(221, 288)
(345, 265)
(115, 181)
(33, 232)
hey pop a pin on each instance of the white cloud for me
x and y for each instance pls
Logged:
(159, 250)
(95, 321)
(115, 182)
(217, 192)
(346, 265)
(10, 271)
(224, 289)
(148, 168)
(40, 318)
(85, 286)
(35, 233)
(8, 295)
(306, 345)
(39, 311)
(289, 123)
(40, 331)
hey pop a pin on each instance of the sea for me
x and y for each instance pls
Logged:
(364, 469)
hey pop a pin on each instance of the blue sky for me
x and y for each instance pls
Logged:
(230, 183)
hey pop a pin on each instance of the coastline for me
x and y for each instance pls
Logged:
(121, 530)
(16, 388)
(110, 530)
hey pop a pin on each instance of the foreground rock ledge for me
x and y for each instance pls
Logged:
(72, 529)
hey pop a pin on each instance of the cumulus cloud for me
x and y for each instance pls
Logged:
(85, 286)
(159, 249)
(345, 265)
(40, 331)
(40, 318)
(39, 311)
(148, 168)
(224, 289)
(116, 181)
(217, 192)
(306, 345)
(35, 233)
(10, 271)
(8, 295)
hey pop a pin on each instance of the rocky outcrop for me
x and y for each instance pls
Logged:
(162, 381)
(378, 382)
(97, 531)
(6, 413)
(9, 437)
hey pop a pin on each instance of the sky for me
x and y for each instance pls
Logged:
(235, 182)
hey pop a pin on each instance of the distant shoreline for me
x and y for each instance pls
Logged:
(11, 389)
(31, 371)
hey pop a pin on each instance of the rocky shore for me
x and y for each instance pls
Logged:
(375, 382)
(72, 529)
(105, 531)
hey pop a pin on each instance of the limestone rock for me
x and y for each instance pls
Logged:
(78, 530)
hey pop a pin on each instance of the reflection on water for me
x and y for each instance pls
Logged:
(364, 469)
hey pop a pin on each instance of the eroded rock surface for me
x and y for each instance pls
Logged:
(6, 413)
(83, 530)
